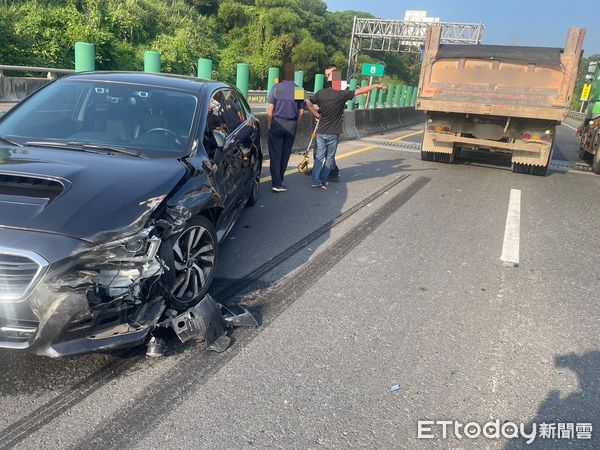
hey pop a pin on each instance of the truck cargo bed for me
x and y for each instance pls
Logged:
(528, 82)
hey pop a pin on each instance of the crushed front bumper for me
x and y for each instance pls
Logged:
(55, 319)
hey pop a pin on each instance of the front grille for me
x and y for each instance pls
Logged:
(18, 274)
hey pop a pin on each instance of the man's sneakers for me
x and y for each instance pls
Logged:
(279, 188)
(322, 186)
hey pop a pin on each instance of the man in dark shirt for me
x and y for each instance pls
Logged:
(284, 113)
(331, 105)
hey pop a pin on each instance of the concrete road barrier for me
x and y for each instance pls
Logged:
(14, 89)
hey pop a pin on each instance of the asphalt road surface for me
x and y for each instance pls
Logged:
(382, 302)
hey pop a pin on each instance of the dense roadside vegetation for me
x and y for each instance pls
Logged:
(262, 33)
(583, 68)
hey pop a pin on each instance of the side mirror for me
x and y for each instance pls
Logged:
(219, 138)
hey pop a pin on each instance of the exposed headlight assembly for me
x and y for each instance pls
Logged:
(138, 249)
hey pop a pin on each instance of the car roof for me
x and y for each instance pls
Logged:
(191, 84)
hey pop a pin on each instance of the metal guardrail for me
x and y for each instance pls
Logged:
(50, 71)
(576, 115)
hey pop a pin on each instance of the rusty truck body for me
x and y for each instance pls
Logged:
(496, 98)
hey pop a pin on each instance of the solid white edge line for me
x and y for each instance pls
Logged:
(510, 247)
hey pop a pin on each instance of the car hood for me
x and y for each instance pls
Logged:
(82, 195)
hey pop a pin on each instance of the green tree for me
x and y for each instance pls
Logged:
(262, 33)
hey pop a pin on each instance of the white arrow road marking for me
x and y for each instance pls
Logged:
(510, 248)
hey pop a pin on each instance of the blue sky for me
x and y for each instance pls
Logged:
(519, 22)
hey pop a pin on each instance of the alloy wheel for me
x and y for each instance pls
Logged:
(194, 255)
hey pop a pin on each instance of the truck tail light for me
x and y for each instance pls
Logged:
(431, 128)
(527, 136)
(545, 138)
(446, 128)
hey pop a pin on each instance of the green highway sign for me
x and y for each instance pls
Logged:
(374, 70)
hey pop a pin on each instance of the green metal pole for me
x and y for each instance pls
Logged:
(414, 97)
(380, 99)
(390, 95)
(353, 84)
(242, 78)
(299, 78)
(272, 78)
(362, 98)
(397, 96)
(373, 98)
(403, 97)
(409, 95)
(205, 69)
(151, 61)
(85, 57)
(319, 82)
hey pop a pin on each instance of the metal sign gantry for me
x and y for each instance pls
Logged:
(384, 35)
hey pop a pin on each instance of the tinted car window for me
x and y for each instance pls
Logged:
(215, 121)
(243, 104)
(154, 121)
(234, 113)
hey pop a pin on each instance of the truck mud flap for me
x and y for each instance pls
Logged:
(435, 150)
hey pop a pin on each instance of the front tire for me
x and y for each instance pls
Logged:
(195, 254)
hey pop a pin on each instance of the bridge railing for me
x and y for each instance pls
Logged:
(50, 71)
(576, 115)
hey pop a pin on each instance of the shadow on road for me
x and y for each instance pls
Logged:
(582, 406)
(281, 220)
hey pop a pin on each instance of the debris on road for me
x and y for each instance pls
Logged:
(208, 320)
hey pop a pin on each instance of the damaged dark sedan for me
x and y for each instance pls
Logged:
(115, 192)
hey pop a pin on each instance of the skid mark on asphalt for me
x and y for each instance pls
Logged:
(132, 424)
(510, 247)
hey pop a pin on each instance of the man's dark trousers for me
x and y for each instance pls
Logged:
(281, 141)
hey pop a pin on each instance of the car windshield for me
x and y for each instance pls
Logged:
(148, 120)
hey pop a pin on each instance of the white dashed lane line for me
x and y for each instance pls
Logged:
(510, 248)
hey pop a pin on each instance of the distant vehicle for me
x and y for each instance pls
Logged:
(496, 98)
(589, 131)
(115, 191)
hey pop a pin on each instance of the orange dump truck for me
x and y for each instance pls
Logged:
(496, 98)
